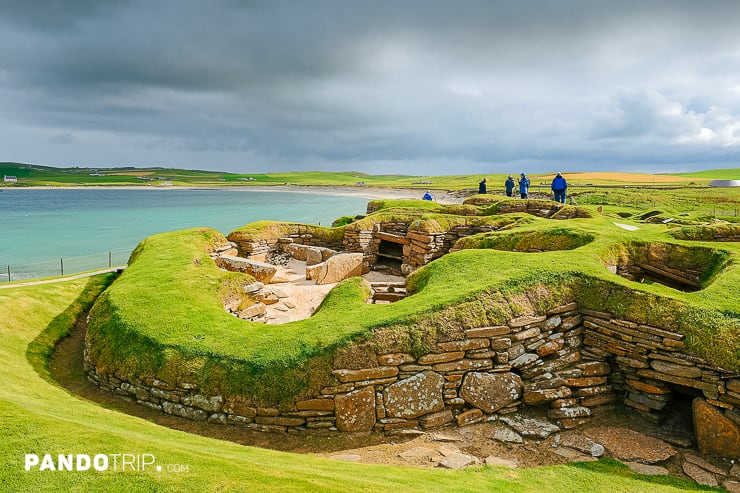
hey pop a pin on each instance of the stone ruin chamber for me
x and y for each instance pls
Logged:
(569, 363)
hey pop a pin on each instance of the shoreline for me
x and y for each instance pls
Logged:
(370, 193)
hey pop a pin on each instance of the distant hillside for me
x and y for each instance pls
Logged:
(713, 174)
(35, 175)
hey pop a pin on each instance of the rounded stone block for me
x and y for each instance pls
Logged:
(715, 433)
(491, 391)
(414, 396)
(356, 411)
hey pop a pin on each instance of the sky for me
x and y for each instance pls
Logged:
(405, 87)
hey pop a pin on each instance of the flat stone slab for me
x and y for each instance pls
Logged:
(646, 469)
(491, 392)
(419, 453)
(458, 461)
(337, 268)
(356, 411)
(707, 466)
(261, 271)
(414, 396)
(253, 287)
(700, 475)
(448, 450)
(442, 437)
(507, 436)
(732, 486)
(573, 455)
(582, 444)
(629, 445)
(530, 427)
(494, 461)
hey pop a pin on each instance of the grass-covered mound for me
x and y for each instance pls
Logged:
(709, 232)
(423, 205)
(268, 230)
(433, 223)
(40, 417)
(437, 218)
(528, 241)
(164, 317)
(701, 263)
(482, 200)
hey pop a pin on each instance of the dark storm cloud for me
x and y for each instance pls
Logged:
(425, 86)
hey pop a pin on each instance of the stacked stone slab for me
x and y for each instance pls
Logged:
(419, 247)
(650, 367)
(387, 291)
(533, 360)
(543, 208)
(224, 250)
(574, 361)
(361, 241)
(299, 234)
(261, 271)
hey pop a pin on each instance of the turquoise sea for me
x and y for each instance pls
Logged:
(82, 229)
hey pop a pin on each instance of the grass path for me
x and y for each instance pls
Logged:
(37, 416)
(58, 279)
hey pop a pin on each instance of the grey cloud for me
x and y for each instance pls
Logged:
(424, 85)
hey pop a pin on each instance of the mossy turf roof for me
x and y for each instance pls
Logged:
(164, 315)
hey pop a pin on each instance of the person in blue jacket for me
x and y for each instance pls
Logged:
(510, 184)
(482, 186)
(427, 196)
(559, 185)
(524, 186)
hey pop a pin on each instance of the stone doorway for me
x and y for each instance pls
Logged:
(389, 257)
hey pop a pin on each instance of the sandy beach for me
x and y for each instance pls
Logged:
(370, 193)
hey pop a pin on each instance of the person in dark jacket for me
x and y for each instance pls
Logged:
(524, 186)
(482, 186)
(427, 196)
(510, 184)
(559, 185)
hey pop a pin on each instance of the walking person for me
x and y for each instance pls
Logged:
(510, 184)
(482, 186)
(524, 186)
(559, 185)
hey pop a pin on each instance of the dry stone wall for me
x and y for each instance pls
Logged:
(418, 248)
(572, 361)
(301, 234)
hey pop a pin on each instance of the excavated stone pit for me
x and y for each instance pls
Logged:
(679, 267)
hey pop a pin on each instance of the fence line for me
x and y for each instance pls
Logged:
(64, 265)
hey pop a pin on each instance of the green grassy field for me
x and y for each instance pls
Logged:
(699, 204)
(713, 174)
(37, 416)
(35, 175)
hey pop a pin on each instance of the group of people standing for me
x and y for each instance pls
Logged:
(558, 186)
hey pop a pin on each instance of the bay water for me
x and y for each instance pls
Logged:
(45, 230)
